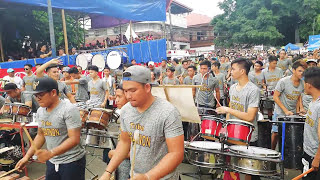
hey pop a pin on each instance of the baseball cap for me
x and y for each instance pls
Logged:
(10, 70)
(10, 86)
(312, 60)
(138, 74)
(65, 69)
(151, 63)
(44, 84)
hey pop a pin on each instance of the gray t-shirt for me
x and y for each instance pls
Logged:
(222, 79)
(306, 99)
(310, 135)
(204, 95)
(55, 126)
(256, 79)
(225, 67)
(247, 97)
(97, 92)
(26, 97)
(160, 121)
(82, 89)
(2, 101)
(110, 85)
(178, 70)
(187, 80)
(284, 64)
(289, 94)
(271, 78)
(28, 82)
(174, 81)
(63, 89)
(156, 72)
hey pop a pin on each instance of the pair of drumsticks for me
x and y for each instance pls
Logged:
(23, 125)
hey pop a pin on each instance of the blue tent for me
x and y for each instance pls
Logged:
(291, 47)
(137, 10)
(314, 46)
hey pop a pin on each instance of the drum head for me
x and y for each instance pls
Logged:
(239, 121)
(83, 59)
(254, 151)
(206, 145)
(114, 60)
(98, 60)
(102, 109)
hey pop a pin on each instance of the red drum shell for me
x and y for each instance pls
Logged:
(238, 132)
(210, 127)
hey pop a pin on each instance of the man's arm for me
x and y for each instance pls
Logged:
(276, 99)
(171, 160)
(71, 98)
(41, 69)
(218, 94)
(246, 116)
(46, 55)
(316, 160)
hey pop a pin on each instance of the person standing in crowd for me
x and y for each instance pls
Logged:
(283, 62)
(177, 67)
(171, 79)
(82, 85)
(244, 98)
(61, 52)
(52, 69)
(225, 66)
(155, 70)
(163, 69)
(111, 84)
(222, 80)
(184, 73)
(12, 78)
(28, 79)
(311, 148)
(133, 62)
(256, 76)
(271, 75)
(153, 80)
(204, 96)
(99, 91)
(191, 73)
(286, 96)
(59, 127)
(79, 69)
(43, 52)
(68, 78)
(157, 121)
(312, 63)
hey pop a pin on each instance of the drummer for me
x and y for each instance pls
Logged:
(82, 84)
(28, 79)
(52, 70)
(110, 81)
(16, 95)
(59, 127)
(311, 148)
(160, 148)
(244, 98)
(286, 96)
(99, 91)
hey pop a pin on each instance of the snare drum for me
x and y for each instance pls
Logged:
(239, 132)
(252, 166)
(206, 159)
(210, 127)
(83, 115)
(101, 139)
(98, 118)
(115, 115)
(206, 111)
(7, 164)
(17, 109)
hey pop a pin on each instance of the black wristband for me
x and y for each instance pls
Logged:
(108, 172)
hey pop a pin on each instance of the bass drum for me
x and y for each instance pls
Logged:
(83, 60)
(99, 61)
(116, 58)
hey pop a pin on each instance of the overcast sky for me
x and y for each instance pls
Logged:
(206, 7)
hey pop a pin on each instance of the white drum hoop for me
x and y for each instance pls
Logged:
(99, 61)
(83, 60)
(114, 59)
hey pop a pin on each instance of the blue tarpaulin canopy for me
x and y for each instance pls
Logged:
(136, 10)
(314, 46)
(291, 47)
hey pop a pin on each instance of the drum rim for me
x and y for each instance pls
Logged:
(238, 121)
(275, 154)
(101, 109)
(214, 118)
(93, 59)
(113, 67)
(211, 142)
(292, 116)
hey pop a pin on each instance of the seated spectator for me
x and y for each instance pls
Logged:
(42, 53)
(61, 52)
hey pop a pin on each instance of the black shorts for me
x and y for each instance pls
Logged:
(73, 170)
(313, 175)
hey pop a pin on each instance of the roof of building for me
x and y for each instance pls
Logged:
(194, 19)
(179, 8)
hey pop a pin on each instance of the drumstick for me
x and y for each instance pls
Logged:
(303, 174)
(136, 138)
(9, 172)
(217, 100)
(28, 135)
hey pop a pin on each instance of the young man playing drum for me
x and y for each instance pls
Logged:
(52, 70)
(160, 145)
(286, 96)
(82, 85)
(311, 148)
(244, 98)
(59, 127)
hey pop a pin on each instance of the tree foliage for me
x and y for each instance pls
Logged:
(268, 22)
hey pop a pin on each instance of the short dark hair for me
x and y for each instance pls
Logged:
(206, 63)
(79, 67)
(283, 50)
(94, 68)
(299, 63)
(272, 58)
(311, 76)
(52, 66)
(193, 67)
(172, 69)
(243, 63)
(216, 64)
(29, 65)
(176, 60)
(133, 60)
(164, 60)
(259, 62)
(107, 67)
(39, 64)
(73, 70)
(184, 61)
